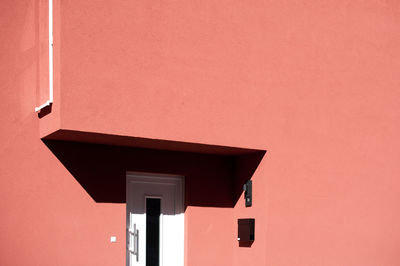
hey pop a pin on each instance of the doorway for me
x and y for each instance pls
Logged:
(154, 219)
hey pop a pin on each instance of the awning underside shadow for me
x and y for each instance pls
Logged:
(214, 176)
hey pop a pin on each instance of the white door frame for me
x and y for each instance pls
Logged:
(175, 223)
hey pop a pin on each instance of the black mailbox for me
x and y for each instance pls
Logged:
(246, 230)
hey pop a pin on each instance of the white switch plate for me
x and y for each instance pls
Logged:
(113, 239)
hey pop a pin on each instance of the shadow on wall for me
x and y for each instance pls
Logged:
(45, 111)
(211, 180)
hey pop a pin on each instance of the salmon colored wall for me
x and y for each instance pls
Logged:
(316, 83)
(46, 217)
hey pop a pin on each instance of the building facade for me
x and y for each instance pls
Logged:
(300, 97)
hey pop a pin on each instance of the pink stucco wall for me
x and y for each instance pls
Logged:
(316, 83)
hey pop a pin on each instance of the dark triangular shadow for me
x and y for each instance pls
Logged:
(211, 180)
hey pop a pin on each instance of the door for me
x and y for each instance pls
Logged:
(154, 220)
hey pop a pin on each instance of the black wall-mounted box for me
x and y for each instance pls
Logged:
(246, 229)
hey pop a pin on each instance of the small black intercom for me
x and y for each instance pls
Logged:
(248, 191)
(246, 230)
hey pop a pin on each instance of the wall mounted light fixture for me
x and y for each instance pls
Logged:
(248, 193)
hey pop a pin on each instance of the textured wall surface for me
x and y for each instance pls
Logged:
(316, 83)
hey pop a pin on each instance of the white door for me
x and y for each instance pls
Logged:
(154, 220)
